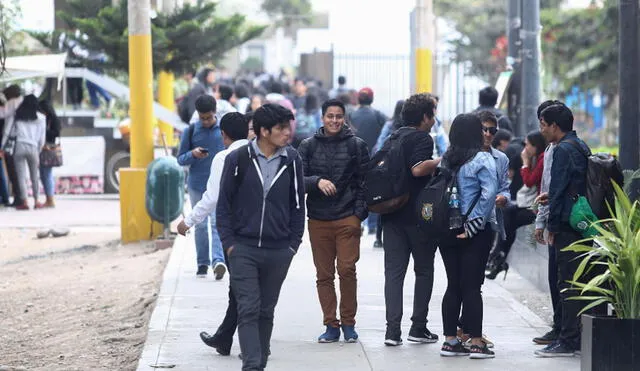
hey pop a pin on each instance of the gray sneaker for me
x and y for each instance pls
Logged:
(219, 269)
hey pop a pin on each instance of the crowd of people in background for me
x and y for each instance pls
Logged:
(255, 151)
(27, 128)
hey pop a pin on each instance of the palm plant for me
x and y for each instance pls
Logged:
(616, 250)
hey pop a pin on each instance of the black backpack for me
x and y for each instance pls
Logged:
(386, 181)
(602, 170)
(432, 205)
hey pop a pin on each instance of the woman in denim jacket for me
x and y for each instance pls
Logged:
(466, 257)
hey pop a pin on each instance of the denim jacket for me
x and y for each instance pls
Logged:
(504, 184)
(479, 176)
(568, 178)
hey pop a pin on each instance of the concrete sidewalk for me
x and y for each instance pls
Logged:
(188, 305)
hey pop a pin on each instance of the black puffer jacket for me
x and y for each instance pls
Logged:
(340, 159)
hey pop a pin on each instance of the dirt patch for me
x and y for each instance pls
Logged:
(77, 304)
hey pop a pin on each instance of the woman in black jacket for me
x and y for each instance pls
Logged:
(52, 134)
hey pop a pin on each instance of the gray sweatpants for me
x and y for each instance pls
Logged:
(27, 160)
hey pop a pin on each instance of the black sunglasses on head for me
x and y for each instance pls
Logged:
(490, 130)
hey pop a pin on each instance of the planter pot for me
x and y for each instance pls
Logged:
(610, 344)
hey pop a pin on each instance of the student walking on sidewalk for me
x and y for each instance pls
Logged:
(260, 217)
(334, 161)
(199, 143)
(235, 128)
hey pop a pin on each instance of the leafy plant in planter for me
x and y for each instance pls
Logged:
(611, 343)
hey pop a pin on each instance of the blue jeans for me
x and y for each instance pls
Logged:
(372, 222)
(4, 187)
(46, 176)
(94, 90)
(207, 228)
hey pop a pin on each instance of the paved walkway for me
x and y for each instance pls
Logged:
(187, 305)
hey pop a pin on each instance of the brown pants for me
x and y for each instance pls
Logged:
(330, 241)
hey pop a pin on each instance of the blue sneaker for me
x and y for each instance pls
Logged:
(350, 334)
(330, 336)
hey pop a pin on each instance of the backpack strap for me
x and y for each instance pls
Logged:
(190, 130)
(572, 188)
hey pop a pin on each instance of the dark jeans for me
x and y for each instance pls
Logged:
(372, 222)
(514, 218)
(464, 261)
(230, 322)
(554, 290)
(13, 178)
(379, 230)
(568, 262)
(400, 242)
(258, 274)
(4, 186)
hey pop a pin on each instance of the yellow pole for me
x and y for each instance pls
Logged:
(135, 223)
(425, 44)
(166, 99)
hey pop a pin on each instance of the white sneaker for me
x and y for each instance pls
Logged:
(219, 270)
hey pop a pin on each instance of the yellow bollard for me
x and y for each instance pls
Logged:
(135, 223)
(424, 71)
(167, 99)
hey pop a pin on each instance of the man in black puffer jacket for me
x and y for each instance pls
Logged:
(334, 160)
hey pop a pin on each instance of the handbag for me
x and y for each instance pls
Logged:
(526, 196)
(51, 155)
(582, 218)
(10, 145)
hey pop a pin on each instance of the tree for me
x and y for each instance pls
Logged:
(9, 14)
(288, 12)
(580, 48)
(190, 36)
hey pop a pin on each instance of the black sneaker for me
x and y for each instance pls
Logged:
(457, 350)
(392, 338)
(422, 335)
(555, 349)
(222, 347)
(377, 244)
(202, 271)
(481, 352)
(547, 338)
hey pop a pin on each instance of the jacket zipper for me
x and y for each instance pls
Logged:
(264, 196)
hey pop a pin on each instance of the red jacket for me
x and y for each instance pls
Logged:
(533, 177)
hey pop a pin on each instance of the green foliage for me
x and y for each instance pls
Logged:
(252, 64)
(191, 36)
(580, 48)
(288, 12)
(617, 249)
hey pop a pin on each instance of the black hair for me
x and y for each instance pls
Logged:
(466, 140)
(537, 140)
(333, 103)
(342, 80)
(205, 103)
(311, 103)
(546, 104)
(397, 115)
(270, 115)
(501, 135)
(242, 91)
(560, 115)
(225, 91)
(28, 109)
(416, 107)
(235, 125)
(202, 75)
(12, 91)
(276, 87)
(364, 99)
(249, 116)
(487, 116)
(488, 96)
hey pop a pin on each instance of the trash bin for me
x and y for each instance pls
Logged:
(165, 190)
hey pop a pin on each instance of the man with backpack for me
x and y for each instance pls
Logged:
(334, 160)
(407, 155)
(260, 215)
(568, 179)
(199, 143)
(235, 128)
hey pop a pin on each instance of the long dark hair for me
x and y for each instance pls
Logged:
(396, 120)
(311, 104)
(28, 109)
(537, 140)
(466, 140)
